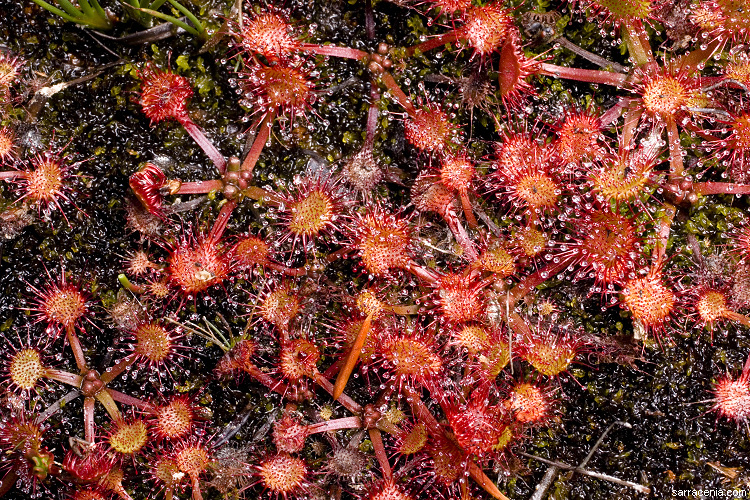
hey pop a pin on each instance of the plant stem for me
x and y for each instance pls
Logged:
(380, 454)
(75, 346)
(332, 50)
(676, 165)
(638, 48)
(260, 141)
(122, 365)
(345, 400)
(335, 425)
(64, 377)
(207, 146)
(583, 75)
(433, 43)
(399, 94)
(129, 400)
(720, 188)
(88, 419)
(200, 187)
(106, 399)
(220, 224)
(352, 357)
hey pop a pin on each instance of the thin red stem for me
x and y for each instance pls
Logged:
(335, 425)
(88, 419)
(399, 94)
(12, 174)
(129, 400)
(345, 400)
(720, 188)
(380, 454)
(207, 146)
(584, 75)
(220, 224)
(433, 43)
(264, 131)
(676, 165)
(106, 399)
(332, 50)
(200, 187)
(533, 280)
(122, 365)
(75, 346)
(64, 377)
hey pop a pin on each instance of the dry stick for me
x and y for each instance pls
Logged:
(584, 75)
(638, 487)
(424, 415)
(57, 405)
(543, 485)
(353, 356)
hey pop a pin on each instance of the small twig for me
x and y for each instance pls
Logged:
(601, 438)
(712, 111)
(724, 82)
(578, 470)
(545, 483)
(235, 425)
(57, 405)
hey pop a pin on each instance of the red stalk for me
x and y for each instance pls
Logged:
(88, 419)
(75, 346)
(332, 50)
(207, 146)
(720, 188)
(264, 131)
(200, 187)
(129, 400)
(335, 425)
(399, 94)
(345, 400)
(64, 377)
(584, 75)
(220, 224)
(433, 43)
